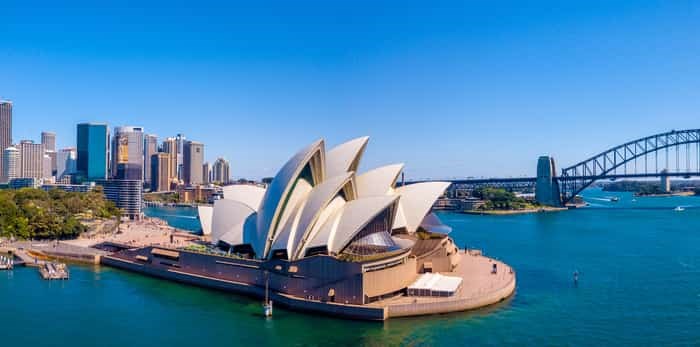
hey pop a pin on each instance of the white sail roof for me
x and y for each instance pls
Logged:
(316, 200)
(339, 229)
(226, 215)
(345, 157)
(275, 199)
(416, 201)
(205, 218)
(248, 194)
(379, 181)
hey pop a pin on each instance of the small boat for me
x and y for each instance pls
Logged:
(679, 209)
(267, 304)
(268, 309)
(614, 199)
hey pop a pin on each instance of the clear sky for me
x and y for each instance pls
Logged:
(452, 89)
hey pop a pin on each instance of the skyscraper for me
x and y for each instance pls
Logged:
(48, 139)
(170, 147)
(161, 168)
(180, 145)
(5, 132)
(11, 163)
(192, 161)
(46, 171)
(206, 173)
(150, 147)
(127, 153)
(66, 162)
(31, 158)
(93, 150)
(220, 171)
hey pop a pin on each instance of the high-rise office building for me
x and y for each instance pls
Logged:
(93, 150)
(31, 158)
(170, 147)
(47, 172)
(127, 153)
(221, 171)
(150, 147)
(206, 173)
(161, 168)
(66, 162)
(48, 139)
(192, 161)
(10, 163)
(52, 155)
(5, 132)
(180, 145)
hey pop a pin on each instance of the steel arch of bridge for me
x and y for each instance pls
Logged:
(576, 178)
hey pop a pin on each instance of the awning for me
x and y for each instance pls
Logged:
(434, 284)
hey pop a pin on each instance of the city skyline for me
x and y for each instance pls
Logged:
(485, 90)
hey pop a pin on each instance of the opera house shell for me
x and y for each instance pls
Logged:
(319, 204)
(322, 237)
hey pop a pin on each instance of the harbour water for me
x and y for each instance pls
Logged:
(639, 284)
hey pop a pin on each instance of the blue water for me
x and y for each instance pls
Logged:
(639, 285)
(179, 217)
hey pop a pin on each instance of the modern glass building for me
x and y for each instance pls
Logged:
(5, 132)
(126, 194)
(127, 153)
(93, 150)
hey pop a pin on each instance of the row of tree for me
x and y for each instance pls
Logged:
(35, 214)
(500, 199)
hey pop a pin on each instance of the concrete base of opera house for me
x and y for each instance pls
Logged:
(480, 288)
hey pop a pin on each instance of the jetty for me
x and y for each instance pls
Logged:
(54, 271)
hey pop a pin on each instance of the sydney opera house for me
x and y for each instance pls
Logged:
(324, 237)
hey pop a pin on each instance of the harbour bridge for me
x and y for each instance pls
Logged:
(675, 153)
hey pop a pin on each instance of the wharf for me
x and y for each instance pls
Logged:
(54, 271)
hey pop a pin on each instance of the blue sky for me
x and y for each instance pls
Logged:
(452, 89)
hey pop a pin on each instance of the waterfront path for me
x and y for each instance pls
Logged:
(480, 287)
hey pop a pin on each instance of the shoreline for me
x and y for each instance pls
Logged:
(665, 195)
(514, 212)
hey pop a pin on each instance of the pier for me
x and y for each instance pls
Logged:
(54, 271)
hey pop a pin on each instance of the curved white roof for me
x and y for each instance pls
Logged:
(318, 200)
(379, 181)
(284, 237)
(353, 217)
(205, 218)
(345, 223)
(329, 213)
(345, 157)
(416, 201)
(236, 234)
(246, 193)
(228, 214)
(302, 209)
(275, 198)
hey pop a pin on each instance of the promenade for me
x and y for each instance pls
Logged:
(480, 287)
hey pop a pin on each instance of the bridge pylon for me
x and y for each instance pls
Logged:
(547, 190)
